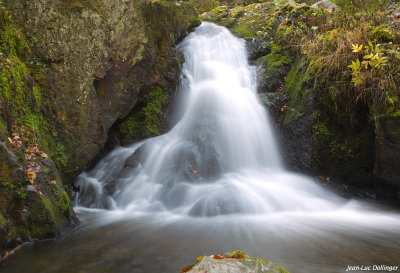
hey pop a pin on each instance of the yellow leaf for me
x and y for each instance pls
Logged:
(53, 182)
(199, 258)
(31, 175)
(357, 49)
(44, 155)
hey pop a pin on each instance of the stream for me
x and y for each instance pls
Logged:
(214, 183)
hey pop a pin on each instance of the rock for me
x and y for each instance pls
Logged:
(272, 69)
(280, 3)
(100, 57)
(258, 47)
(233, 262)
(387, 165)
(24, 212)
(326, 4)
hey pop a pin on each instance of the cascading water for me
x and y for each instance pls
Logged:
(213, 184)
(220, 158)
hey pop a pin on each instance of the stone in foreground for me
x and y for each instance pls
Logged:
(233, 262)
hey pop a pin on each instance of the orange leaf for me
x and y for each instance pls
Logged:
(238, 256)
(186, 269)
(31, 175)
(219, 257)
(53, 182)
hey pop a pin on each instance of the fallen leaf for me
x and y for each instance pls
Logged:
(186, 269)
(44, 155)
(31, 175)
(238, 256)
(219, 257)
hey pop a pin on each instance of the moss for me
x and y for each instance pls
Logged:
(48, 215)
(64, 204)
(81, 4)
(298, 97)
(3, 221)
(382, 34)
(19, 91)
(147, 117)
(4, 173)
(275, 58)
(245, 22)
(38, 231)
(254, 21)
(320, 129)
(273, 69)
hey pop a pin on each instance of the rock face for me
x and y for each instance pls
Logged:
(100, 56)
(387, 165)
(73, 72)
(233, 262)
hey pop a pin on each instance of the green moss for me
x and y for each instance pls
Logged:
(64, 204)
(245, 22)
(254, 21)
(48, 215)
(382, 34)
(38, 231)
(298, 97)
(18, 90)
(275, 58)
(320, 129)
(3, 221)
(147, 117)
(80, 4)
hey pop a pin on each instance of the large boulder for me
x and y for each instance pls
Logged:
(100, 56)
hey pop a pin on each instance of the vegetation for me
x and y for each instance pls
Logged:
(340, 68)
(147, 117)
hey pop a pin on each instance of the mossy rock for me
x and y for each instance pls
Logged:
(272, 69)
(235, 261)
(145, 119)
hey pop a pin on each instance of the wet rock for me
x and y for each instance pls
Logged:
(326, 4)
(136, 158)
(258, 47)
(28, 211)
(233, 262)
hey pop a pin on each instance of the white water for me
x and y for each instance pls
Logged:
(219, 170)
(221, 157)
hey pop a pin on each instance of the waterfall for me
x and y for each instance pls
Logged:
(220, 158)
